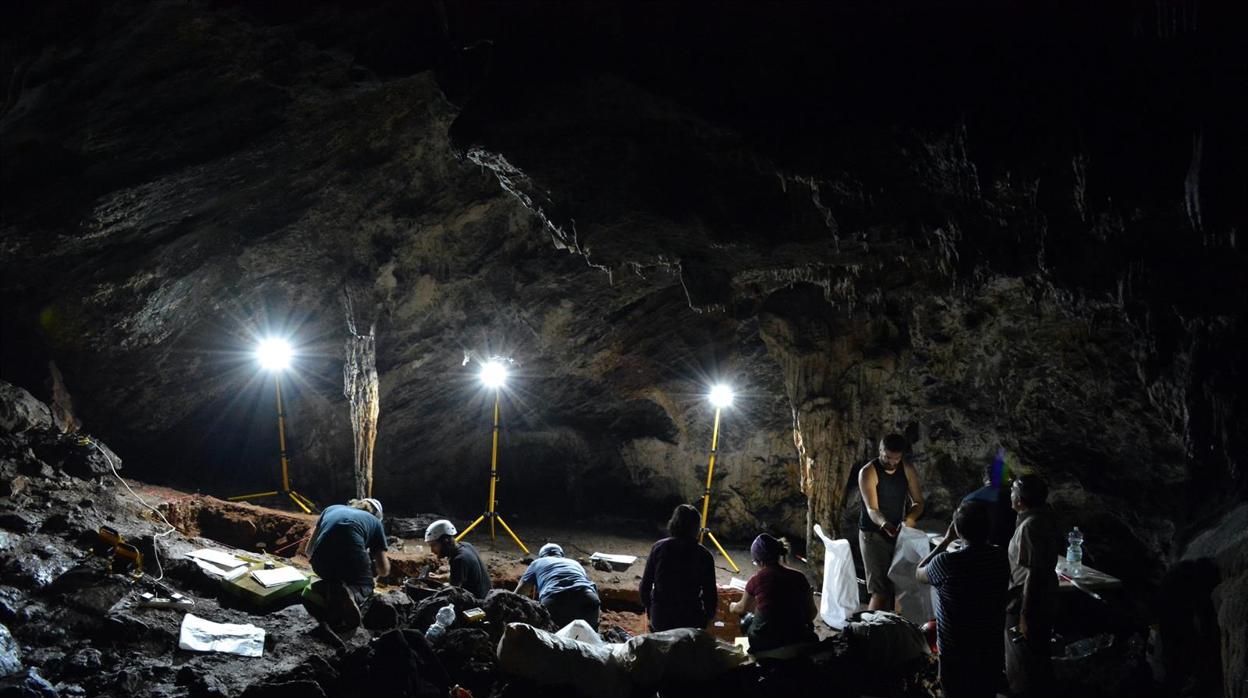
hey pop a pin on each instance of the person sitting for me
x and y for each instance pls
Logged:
(1001, 511)
(777, 605)
(467, 570)
(562, 587)
(973, 585)
(347, 548)
(678, 585)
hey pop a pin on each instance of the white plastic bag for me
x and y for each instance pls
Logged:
(914, 598)
(206, 636)
(840, 584)
(580, 631)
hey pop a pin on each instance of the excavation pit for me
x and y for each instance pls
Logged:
(242, 526)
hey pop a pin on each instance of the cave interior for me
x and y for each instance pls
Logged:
(1005, 231)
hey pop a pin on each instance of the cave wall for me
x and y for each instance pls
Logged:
(180, 180)
(983, 227)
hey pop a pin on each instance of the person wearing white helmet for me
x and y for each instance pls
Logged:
(347, 549)
(562, 587)
(467, 570)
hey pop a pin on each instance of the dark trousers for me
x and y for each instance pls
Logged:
(968, 679)
(579, 603)
(767, 634)
(668, 617)
(1028, 664)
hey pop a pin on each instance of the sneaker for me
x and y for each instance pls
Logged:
(344, 614)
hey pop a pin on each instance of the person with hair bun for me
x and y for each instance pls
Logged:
(778, 608)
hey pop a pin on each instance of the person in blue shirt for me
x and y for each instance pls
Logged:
(347, 549)
(562, 587)
(1001, 513)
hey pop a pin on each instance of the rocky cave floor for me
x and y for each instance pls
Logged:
(73, 628)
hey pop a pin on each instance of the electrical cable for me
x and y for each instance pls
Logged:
(155, 548)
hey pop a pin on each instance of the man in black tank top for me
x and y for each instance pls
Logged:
(891, 498)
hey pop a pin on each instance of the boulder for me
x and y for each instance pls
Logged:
(502, 607)
(10, 653)
(20, 412)
(423, 615)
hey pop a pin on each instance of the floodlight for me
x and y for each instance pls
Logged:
(493, 374)
(274, 354)
(721, 396)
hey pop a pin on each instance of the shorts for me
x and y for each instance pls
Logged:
(877, 556)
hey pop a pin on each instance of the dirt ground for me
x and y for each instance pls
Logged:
(256, 527)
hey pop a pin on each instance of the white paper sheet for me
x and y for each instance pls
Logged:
(201, 635)
(615, 559)
(217, 557)
(277, 576)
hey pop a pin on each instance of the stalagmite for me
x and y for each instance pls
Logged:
(359, 386)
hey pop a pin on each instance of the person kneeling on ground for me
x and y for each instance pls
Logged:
(973, 584)
(777, 606)
(347, 549)
(678, 586)
(562, 587)
(467, 570)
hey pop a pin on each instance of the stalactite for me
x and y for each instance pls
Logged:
(360, 386)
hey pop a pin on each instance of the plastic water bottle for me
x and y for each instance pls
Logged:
(443, 620)
(1074, 553)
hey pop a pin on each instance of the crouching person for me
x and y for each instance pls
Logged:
(778, 606)
(347, 549)
(562, 587)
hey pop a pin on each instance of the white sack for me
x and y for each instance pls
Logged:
(840, 584)
(205, 636)
(581, 631)
(914, 598)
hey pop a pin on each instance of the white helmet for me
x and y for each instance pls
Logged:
(439, 528)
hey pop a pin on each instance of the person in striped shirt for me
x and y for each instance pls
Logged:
(972, 584)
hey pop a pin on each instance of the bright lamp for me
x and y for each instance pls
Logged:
(721, 396)
(274, 354)
(493, 374)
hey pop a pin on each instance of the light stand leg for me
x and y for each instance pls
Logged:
(710, 473)
(494, 468)
(471, 526)
(300, 501)
(512, 533)
(723, 552)
(706, 496)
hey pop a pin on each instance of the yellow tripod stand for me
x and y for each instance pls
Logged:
(490, 513)
(300, 501)
(706, 496)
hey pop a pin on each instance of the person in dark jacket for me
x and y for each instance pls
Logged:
(678, 586)
(777, 605)
(347, 549)
(467, 570)
(973, 583)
